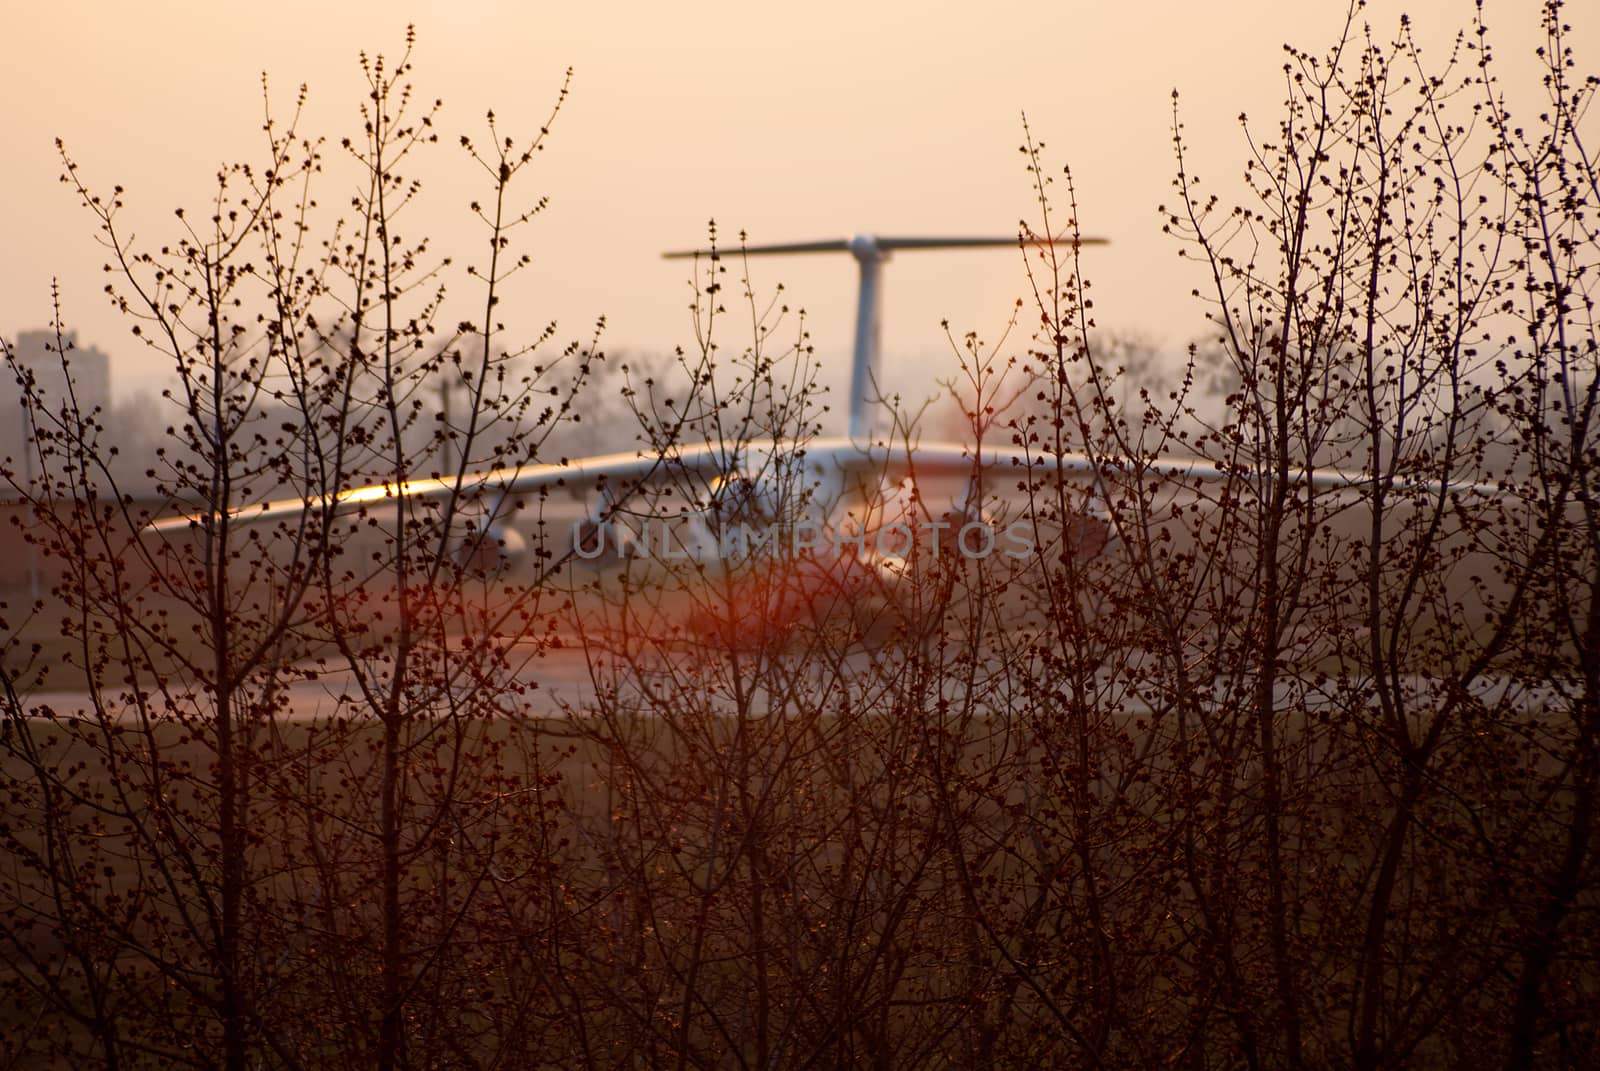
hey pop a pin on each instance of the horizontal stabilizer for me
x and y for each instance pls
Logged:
(883, 245)
(839, 246)
(890, 244)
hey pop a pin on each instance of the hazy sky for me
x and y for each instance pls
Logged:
(788, 121)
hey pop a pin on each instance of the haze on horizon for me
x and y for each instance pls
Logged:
(896, 118)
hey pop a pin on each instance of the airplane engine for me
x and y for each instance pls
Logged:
(491, 546)
(968, 531)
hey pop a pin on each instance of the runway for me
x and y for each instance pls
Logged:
(549, 681)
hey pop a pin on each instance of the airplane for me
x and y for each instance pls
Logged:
(829, 461)
(744, 478)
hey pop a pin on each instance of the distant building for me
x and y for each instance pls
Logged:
(88, 367)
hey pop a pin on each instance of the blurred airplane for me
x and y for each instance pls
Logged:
(748, 473)
(753, 482)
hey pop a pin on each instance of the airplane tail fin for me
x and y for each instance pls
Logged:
(870, 251)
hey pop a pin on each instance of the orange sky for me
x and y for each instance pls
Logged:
(789, 121)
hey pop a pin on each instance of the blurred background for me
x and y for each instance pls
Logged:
(897, 118)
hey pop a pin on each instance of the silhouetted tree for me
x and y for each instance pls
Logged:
(1277, 749)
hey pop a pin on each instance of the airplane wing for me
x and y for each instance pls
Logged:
(821, 458)
(596, 470)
